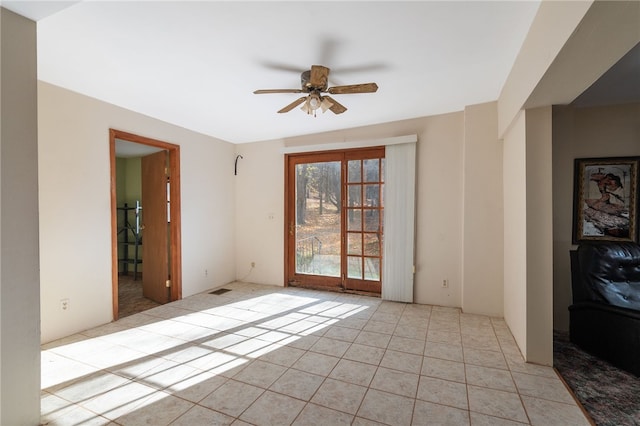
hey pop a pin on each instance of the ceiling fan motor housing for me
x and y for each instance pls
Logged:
(307, 86)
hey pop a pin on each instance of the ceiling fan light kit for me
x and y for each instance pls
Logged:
(315, 82)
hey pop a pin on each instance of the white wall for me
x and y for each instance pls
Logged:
(483, 243)
(19, 275)
(554, 23)
(75, 209)
(515, 231)
(260, 185)
(607, 131)
(260, 213)
(528, 234)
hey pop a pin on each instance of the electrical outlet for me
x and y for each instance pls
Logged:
(253, 264)
(206, 272)
(64, 304)
(445, 283)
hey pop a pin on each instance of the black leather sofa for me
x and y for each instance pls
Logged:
(605, 314)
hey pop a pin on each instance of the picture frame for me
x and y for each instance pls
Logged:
(605, 199)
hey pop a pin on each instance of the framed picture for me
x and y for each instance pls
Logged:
(605, 199)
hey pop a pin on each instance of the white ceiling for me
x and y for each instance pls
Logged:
(196, 64)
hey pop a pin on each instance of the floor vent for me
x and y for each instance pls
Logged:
(220, 291)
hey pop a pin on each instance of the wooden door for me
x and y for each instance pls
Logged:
(334, 209)
(314, 216)
(155, 247)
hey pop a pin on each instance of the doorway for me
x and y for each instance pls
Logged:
(150, 237)
(334, 214)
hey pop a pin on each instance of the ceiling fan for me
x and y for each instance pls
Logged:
(315, 83)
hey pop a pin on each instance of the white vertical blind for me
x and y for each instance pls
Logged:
(399, 222)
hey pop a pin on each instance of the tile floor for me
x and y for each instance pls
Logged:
(267, 355)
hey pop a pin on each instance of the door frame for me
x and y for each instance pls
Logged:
(175, 235)
(331, 283)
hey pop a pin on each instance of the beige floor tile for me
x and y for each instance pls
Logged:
(391, 307)
(444, 326)
(282, 355)
(272, 355)
(314, 415)
(57, 411)
(181, 380)
(542, 387)
(360, 421)
(397, 382)
(402, 361)
(489, 343)
(363, 353)
(444, 337)
(490, 378)
(369, 338)
(261, 374)
(478, 419)
(340, 332)
(550, 413)
(405, 344)
(203, 416)
(121, 400)
(506, 405)
(331, 347)
(273, 409)
(354, 323)
(195, 388)
(516, 364)
(315, 363)
(443, 392)
(412, 332)
(413, 321)
(485, 358)
(358, 373)
(232, 398)
(443, 369)
(339, 396)
(60, 371)
(161, 409)
(451, 352)
(91, 386)
(300, 342)
(380, 326)
(387, 408)
(298, 384)
(388, 317)
(427, 413)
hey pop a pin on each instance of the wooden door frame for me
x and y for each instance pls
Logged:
(289, 210)
(174, 211)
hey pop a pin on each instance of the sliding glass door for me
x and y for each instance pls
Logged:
(334, 211)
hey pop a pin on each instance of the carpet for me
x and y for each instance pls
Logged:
(130, 298)
(611, 396)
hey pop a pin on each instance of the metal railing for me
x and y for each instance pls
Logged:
(306, 249)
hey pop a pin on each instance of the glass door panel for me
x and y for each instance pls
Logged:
(364, 222)
(334, 216)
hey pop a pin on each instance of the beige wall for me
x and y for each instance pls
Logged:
(75, 206)
(443, 170)
(608, 131)
(483, 244)
(554, 23)
(539, 237)
(515, 231)
(19, 274)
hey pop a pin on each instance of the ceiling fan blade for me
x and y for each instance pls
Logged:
(319, 76)
(353, 88)
(336, 108)
(293, 104)
(266, 91)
